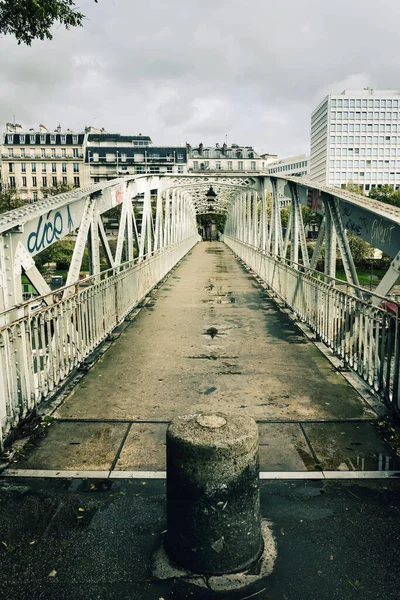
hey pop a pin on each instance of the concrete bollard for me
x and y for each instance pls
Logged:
(213, 506)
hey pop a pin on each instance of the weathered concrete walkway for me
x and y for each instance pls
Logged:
(211, 339)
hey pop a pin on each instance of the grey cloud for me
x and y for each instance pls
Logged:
(190, 71)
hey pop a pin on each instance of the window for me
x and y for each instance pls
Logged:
(23, 167)
(34, 182)
(196, 164)
(10, 153)
(54, 167)
(42, 139)
(253, 165)
(180, 157)
(32, 138)
(24, 182)
(11, 181)
(240, 165)
(64, 181)
(44, 181)
(75, 152)
(54, 181)
(76, 181)
(10, 138)
(33, 167)
(22, 152)
(64, 167)
(218, 166)
(63, 139)
(123, 157)
(76, 167)
(43, 167)
(43, 152)
(230, 165)
(180, 168)
(95, 156)
(35, 196)
(63, 153)
(53, 153)
(52, 138)
(74, 139)
(11, 167)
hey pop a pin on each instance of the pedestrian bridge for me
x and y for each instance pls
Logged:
(218, 333)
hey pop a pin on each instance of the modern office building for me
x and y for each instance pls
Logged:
(110, 155)
(297, 166)
(36, 162)
(224, 158)
(293, 165)
(355, 137)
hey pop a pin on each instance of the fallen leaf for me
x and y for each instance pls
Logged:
(53, 573)
(81, 509)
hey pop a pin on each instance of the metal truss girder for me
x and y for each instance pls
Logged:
(343, 242)
(388, 281)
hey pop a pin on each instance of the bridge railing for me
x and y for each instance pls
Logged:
(42, 346)
(365, 337)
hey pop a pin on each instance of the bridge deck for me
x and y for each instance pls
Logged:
(211, 339)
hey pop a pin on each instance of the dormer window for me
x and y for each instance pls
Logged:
(63, 139)
(10, 138)
(22, 138)
(74, 139)
(43, 138)
(32, 138)
(52, 138)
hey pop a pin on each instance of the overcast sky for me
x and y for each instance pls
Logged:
(199, 70)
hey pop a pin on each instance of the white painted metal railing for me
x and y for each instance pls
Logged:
(41, 348)
(366, 337)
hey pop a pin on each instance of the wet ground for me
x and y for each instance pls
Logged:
(95, 539)
(211, 339)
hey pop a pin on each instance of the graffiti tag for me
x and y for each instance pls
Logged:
(382, 231)
(49, 229)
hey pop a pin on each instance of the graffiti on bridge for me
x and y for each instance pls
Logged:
(50, 228)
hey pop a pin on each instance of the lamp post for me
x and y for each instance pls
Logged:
(211, 196)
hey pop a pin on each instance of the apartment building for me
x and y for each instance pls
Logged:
(355, 136)
(224, 158)
(110, 155)
(37, 162)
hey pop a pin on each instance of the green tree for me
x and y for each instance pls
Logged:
(361, 251)
(354, 188)
(60, 188)
(386, 194)
(9, 199)
(28, 20)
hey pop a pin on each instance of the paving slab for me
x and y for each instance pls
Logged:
(283, 447)
(144, 448)
(350, 446)
(74, 446)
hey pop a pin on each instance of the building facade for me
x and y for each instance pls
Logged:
(114, 155)
(355, 137)
(38, 162)
(293, 165)
(224, 158)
